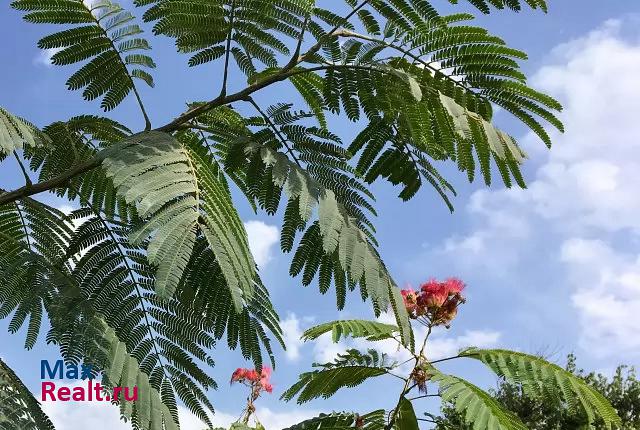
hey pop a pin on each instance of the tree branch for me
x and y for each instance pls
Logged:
(178, 123)
(281, 75)
(348, 33)
(58, 181)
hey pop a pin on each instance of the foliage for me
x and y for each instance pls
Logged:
(371, 330)
(472, 407)
(552, 414)
(348, 370)
(16, 133)
(154, 268)
(19, 410)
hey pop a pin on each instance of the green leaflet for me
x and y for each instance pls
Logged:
(348, 370)
(341, 236)
(325, 383)
(16, 133)
(333, 421)
(342, 421)
(541, 378)
(479, 408)
(177, 190)
(485, 5)
(254, 30)
(463, 119)
(150, 411)
(19, 410)
(406, 416)
(173, 343)
(27, 227)
(81, 331)
(101, 32)
(371, 330)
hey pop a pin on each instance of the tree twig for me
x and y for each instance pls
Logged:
(275, 130)
(27, 179)
(225, 77)
(58, 181)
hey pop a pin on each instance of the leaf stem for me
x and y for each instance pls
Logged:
(275, 130)
(225, 77)
(27, 179)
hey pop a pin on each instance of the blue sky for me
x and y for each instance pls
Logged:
(551, 269)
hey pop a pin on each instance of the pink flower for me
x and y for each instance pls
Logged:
(264, 383)
(434, 294)
(410, 299)
(266, 372)
(454, 285)
(436, 301)
(252, 375)
(238, 375)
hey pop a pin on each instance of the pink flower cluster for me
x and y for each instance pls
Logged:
(258, 381)
(436, 301)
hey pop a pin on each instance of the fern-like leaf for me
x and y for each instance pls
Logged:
(547, 380)
(19, 410)
(17, 133)
(102, 33)
(480, 410)
(178, 191)
(348, 370)
(371, 330)
(342, 421)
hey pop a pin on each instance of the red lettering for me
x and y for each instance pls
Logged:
(48, 388)
(64, 393)
(98, 390)
(78, 394)
(116, 392)
(132, 398)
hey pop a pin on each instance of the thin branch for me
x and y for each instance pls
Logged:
(423, 396)
(296, 53)
(275, 130)
(24, 226)
(223, 91)
(56, 182)
(397, 376)
(179, 123)
(348, 33)
(282, 75)
(445, 359)
(392, 416)
(27, 179)
(331, 33)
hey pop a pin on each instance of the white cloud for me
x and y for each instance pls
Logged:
(65, 209)
(607, 296)
(44, 57)
(441, 347)
(586, 187)
(291, 333)
(262, 237)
